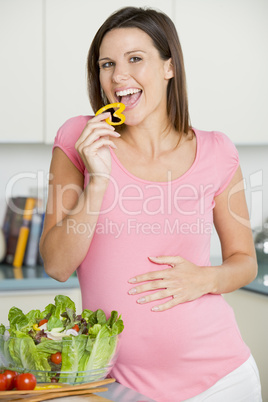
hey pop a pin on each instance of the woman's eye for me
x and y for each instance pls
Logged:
(135, 59)
(108, 64)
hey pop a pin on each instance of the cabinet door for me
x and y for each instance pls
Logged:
(21, 78)
(225, 50)
(70, 28)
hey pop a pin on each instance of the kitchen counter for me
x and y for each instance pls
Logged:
(260, 283)
(8, 285)
(33, 278)
(116, 392)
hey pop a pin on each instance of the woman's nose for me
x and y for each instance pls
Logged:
(120, 74)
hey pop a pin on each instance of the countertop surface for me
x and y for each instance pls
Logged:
(116, 392)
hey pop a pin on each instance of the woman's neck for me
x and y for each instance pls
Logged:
(151, 140)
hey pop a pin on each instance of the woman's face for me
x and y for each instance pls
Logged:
(132, 72)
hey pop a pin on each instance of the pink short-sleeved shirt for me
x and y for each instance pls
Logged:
(179, 353)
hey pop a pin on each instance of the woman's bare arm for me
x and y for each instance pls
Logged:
(232, 223)
(64, 244)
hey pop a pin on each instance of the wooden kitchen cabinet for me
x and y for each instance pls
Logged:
(21, 78)
(225, 51)
(70, 28)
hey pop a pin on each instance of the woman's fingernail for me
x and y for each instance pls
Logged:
(132, 280)
(132, 291)
(141, 300)
(155, 308)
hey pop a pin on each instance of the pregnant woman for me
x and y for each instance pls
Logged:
(132, 207)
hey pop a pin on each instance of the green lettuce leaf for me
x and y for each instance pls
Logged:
(93, 331)
(22, 322)
(12, 352)
(117, 327)
(72, 352)
(33, 316)
(96, 317)
(71, 318)
(105, 343)
(48, 346)
(17, 319)
(24, 354)
(115, 322)
(49, 310)
(61, 304)
(86, 314)
(102, 350)
(54, 322)
(82, 364)
(112, 319)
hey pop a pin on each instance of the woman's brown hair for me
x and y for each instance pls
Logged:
(162, 31)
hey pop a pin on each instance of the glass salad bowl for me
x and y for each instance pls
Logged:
(63, 347)
(70, 361)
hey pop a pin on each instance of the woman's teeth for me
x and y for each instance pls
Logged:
(129, 91)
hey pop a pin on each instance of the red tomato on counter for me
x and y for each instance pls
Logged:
(25, 381)
(3, 382)
(10, 376)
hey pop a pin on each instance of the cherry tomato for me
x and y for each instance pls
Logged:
(25, 381)
(54, 379)
(42, 322)
(10, 375)
(3, 382)
(56, 358)
(76, 328)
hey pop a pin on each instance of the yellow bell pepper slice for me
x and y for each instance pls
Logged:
(49, 386)
(118, 113)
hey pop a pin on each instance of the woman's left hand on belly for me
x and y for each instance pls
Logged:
(182, 282)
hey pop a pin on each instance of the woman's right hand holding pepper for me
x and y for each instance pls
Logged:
(93, 147)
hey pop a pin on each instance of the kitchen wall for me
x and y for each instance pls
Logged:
(24, 170)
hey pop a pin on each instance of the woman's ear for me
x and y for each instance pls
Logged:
(169, 69)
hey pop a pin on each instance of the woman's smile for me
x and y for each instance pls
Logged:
(128, 96)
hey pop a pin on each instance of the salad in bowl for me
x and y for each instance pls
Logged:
(57, 345)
